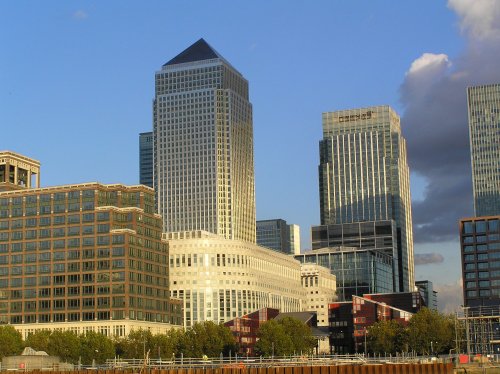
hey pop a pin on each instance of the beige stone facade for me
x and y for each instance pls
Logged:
(321, 287)
(220, 279)
(18, 171)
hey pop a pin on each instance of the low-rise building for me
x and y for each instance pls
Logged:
(320, 286)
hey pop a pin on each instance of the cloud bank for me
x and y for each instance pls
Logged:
(428, 258)
(435, 119)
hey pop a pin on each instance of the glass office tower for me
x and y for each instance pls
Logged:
(146, 159)
(484, 128)
(203, 146)
(364, 176)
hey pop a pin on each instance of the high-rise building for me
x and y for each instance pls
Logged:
(276, 234)
(203, 146)
(357, 271)
(378, 236)
(480, 252)
(84, 257)
(364, 176)
(426, 289)
(484, 128)
(146, 159)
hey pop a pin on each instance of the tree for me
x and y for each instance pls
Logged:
(386, 337)
(95, 346)
(65, 345)
(136, 344)
(39, 340)
(11, 342)
(429, 330)
(207, 338)
(300, 334)
(273, 340)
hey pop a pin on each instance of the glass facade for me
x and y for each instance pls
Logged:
(372, 235)
(276, 234)
(146, 159)
(364, 176)
(484, 129)
(480, 249)
(358, 271)
(203, 146)
(87, 252)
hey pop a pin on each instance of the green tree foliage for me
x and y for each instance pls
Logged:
(136, 344)
(387, 337)
(95, 346)
(39, 340)
(65, 345)
(11, 342)
(284, 337)
(428, 326)
(206, 338)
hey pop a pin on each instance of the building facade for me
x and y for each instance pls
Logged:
(146, 159)
(480, 253)
(364, 176)
(203, 146)
(428, 293)
(484, 130)
(321, 290)
(220, 279)
(350, 320)
(357, 271)
(369, 235)
(278, 235)
(84, 257)
(18, 171)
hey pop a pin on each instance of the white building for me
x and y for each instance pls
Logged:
(220, 279)
(321, 287)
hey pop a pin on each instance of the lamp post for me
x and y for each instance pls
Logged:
(365, 340)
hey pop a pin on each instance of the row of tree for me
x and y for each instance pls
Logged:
(206, 338)
(428, 332)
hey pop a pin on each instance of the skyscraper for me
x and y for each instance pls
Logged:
(203, 145)
(364, 176)
(146, 159)
(276, 234)
(484, 128)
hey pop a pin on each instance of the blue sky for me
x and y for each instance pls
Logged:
(77, 83)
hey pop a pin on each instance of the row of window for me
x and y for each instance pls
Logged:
(117, 276)
(56, 220)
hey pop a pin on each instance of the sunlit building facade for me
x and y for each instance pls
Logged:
(321, 290)
(484, 130)
(84, 257)
(364, 176)
(220, 279)
(203, 146)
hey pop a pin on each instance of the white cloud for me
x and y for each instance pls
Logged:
(478, 18)
(429, 61)
(80, 14)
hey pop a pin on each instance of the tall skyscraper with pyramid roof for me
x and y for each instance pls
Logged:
(203, 145)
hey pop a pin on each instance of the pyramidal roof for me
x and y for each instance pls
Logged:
(198, 51)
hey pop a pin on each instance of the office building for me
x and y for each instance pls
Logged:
(220, 279)
(484, 129)
(480, 252)
(18, 171)
(364, 176)
(84, 257)
(276, 234)
(146, 159)
(357, 271)
(426, 289)
(321, 290)
(350, 321)
(371, 235)
(203, 146)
